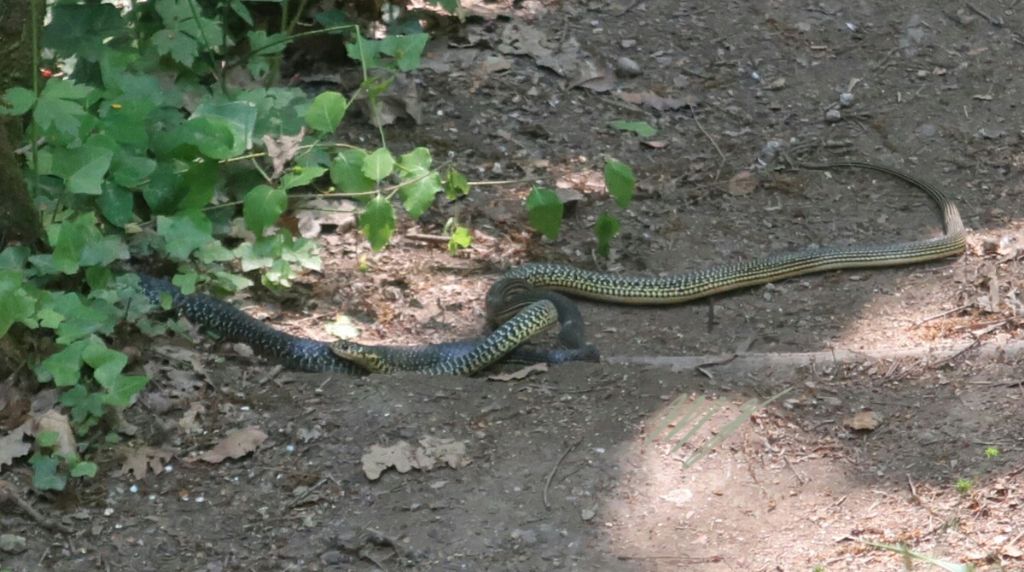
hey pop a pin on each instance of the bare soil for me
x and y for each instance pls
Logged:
(573, 468)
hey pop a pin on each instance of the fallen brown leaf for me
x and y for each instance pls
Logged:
(521, 373)
(140, 460)
(235, 445)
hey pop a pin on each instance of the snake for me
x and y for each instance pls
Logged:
(462, 357)
(693, 285)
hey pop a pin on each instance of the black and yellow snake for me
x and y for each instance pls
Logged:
(522, 303)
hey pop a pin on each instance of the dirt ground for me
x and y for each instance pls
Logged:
(575, 467)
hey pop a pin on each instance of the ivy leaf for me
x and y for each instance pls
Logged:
(326, 112)
(620, 180)
(460, 238)
(238, 116)
(184, 232)
(181, 47)
(406, 50)
(122, 389)
(379, 164)
(378, 222)
(105, 250)
(263, 206)
(544, 210)
(200, 181)
(455, 185)
(106, 363)
(17, 101)
(45, 476)
(264, 45)
(16, 304)
(72, 236)
(84, 469)
(63, 368)
(606, 228)
(83, 403)
(641, 128)
(347, 172)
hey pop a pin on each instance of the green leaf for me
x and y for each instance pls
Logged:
(123, 389)
(105, 250)
(301, 176)
(460, 238)
(59, 106)
(405, 49)
(212, 136)
(326, 112)
(44, 473)
(16, 304)
(264, 45)
(84, 469)
(165, 189)
(47, 438)
(420, 184)
(347, 172)
(419, 196)
(377, 222)
(106, 363)
(263, 206)
(379, 165)
(131, 171)
(80, 317)
(182, 48)
(606, 228)
(238, 116)
(641, 128)
(455, 184)
(184, 232)
(17, 101)
(63, 368)
(620, 180)
(72, 236)
(200, 182)
(544, 210)
(86, 406)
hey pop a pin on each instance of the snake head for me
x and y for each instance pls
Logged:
(363, 356)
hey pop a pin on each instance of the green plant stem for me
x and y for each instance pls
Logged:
(208, 47)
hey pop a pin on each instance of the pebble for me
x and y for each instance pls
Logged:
(845, 99)
(626, 67)
(12, 543)
(627, 43)
(833, 116)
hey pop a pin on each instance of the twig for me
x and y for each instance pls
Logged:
(941, 315)
(551, 475)
(7, 493)
(997, 22)
(431, 238)
(693, 113)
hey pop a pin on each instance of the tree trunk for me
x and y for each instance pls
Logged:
(19, 220)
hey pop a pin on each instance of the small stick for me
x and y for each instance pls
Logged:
(8, 493)
(693, 113)
(941, 315)
(551, 475)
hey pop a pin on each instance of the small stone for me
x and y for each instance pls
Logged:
(12, 543)
(628, 43)
(927, 130)
(845, 99)
(833, 116)
(626, 67)
(588, 514)
(334, 558)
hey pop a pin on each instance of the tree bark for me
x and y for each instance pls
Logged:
(19, 219)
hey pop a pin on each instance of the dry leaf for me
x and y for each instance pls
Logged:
(188, 421)
(521, 373)
(403, 457)
(378, 459)
(655, 101)
(57, 422)
(140, 460)
(13, 445)
(283, 150)
(237, 444)
(742, 183)
(863, 421)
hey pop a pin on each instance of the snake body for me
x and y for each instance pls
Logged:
(305, 354)
(678, 288)
(524, 304)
